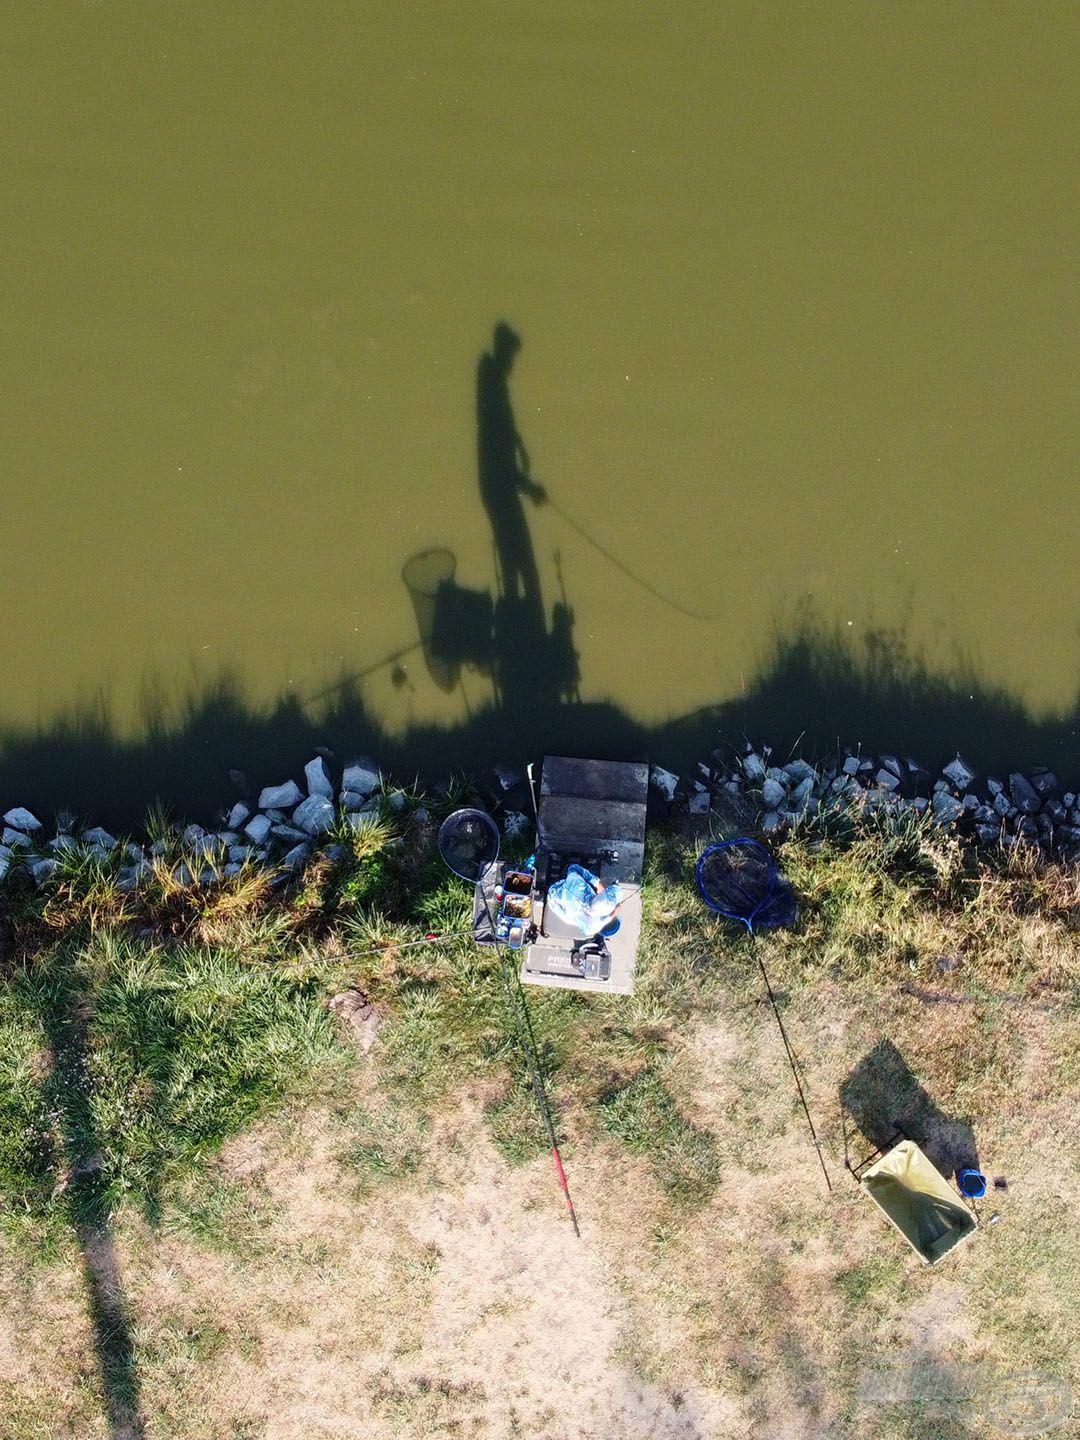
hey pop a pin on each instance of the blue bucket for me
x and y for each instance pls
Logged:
(972, 1184)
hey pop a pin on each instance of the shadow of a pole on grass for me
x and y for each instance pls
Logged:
(82, 1190)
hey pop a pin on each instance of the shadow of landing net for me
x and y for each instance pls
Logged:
(739, 881)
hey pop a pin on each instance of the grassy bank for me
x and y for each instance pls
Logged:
(227, 1210)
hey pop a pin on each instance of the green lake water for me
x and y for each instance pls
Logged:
(796, 294)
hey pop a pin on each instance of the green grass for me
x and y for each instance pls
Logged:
(645, 1117)
(140, 1031)
(126, 1063)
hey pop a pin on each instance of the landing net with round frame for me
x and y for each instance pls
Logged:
(468, 841)
(738, 880)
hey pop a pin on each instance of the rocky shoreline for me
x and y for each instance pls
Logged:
(282, 826)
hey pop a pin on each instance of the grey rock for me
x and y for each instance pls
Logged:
(192, 834)
(1024, 795)
(664, 781)
(1026, 828)
(770, 822)
(21, 819)
(337, 853)
(699, 803)
(226, 838)
(1043, 781)
(772, 794)
(318, 777)
(239, 853)
(422, 815)
(280, 797)
(987, 834)
(946, 807)
(353, 800)
(753, 766)
(232, 868)
(361, 776)
(397, 800)
(1057, 811)
(799, 770)
(801, 794)
(865, 766)
(315, 815)
(920, 804)
(15, 837)
(1002, 804)
(986, 815)
(1068, 799)
(958, 773)
(940, 786)
(290, 834)
(887, 779)
(851, 765)
(41, 869)
(64, 845)
(258, 828)
(238, 815)
(134, 852)
(994, 785)
(970, 802)
(298, 856)
(893, 765)
(97, 836)
(183, 874)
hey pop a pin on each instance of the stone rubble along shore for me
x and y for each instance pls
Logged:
(289, 823)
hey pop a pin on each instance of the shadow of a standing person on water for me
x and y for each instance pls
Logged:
(503, 466)
(531, 665)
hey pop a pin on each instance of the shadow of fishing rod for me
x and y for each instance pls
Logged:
(358, 675)
(619, 565)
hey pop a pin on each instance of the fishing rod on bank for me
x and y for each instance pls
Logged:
(468, 842)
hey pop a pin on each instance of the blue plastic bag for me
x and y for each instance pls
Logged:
(583, 901)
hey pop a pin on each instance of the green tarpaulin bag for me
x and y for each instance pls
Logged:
(919, 1201)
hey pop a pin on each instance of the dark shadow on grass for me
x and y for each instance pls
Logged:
(883, 1096)
(65, 1016)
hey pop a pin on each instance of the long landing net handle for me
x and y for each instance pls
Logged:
(528, 1044)
(794, 1070)
(565, 1189)
(520, 1010)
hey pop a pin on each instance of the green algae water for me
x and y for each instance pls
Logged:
(796, 318)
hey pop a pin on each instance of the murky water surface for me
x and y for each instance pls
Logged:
(795, 295)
